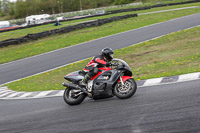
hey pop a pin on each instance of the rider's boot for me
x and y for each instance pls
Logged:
(83, 82)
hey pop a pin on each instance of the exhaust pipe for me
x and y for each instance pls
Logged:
(74, 86)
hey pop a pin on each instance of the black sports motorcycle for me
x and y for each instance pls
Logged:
(114, 80)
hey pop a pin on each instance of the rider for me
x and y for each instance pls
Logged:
(98, 61)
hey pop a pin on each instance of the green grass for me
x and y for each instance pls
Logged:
(173, 54)
(23, 32)
(148, 3)
(12, 53)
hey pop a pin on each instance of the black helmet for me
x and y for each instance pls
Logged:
(107, 53)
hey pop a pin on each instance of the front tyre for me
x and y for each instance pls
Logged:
(126, 91)
(71, 96)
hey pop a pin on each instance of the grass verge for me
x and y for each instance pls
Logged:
(148, 3)
(23, 32)
(12, 53)
(173, 54)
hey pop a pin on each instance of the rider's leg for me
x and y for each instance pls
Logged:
(93, 71)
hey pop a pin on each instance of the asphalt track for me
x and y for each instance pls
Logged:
(171, 108)
(33, 65)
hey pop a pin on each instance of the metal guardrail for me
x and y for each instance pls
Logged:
(82, 12)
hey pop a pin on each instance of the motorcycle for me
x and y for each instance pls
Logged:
(114, 80)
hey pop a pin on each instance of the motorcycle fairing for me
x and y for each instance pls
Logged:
(104, 83)
(124, 78)
(74, 77)
(101, 70)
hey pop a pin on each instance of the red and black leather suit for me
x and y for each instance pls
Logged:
(91, 68)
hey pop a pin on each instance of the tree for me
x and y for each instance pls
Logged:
(12, 9)
(74, 5)
(52, 6)
(21, 9)
(5, 6)
(1, 12)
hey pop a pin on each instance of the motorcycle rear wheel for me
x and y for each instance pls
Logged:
(67, 96)
(127, 90)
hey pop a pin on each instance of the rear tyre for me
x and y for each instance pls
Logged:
(70, 97)
(126, 91)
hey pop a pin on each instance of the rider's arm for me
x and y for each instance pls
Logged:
(101, 62)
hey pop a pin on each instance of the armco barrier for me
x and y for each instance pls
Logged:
(107, 13)
(67, 29)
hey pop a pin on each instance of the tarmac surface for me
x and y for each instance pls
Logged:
(7, 94)
(170, 108)
(166, 108)
(33, 65)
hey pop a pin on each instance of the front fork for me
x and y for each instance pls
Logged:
(121, 80)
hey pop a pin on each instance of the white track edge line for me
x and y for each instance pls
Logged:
(170, 83)
(90, 57)
(96, 39)
(29, 98)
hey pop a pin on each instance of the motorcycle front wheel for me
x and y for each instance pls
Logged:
(71, 96)
(127, 90)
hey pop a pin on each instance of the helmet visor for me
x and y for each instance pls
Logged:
(111, 55)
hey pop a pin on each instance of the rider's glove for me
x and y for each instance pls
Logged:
(108, 64)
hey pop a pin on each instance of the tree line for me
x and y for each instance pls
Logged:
(23, 8)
